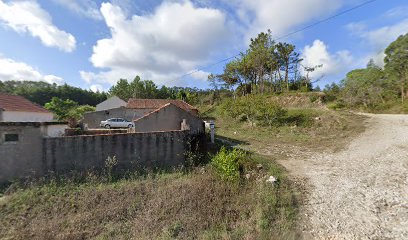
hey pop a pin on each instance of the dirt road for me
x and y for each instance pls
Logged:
(360, 192)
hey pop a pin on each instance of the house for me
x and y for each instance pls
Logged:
(169, 117)
(135, 109)
(18, 109)
(110, 103)
(159, 140)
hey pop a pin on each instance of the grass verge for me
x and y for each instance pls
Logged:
(182, 205)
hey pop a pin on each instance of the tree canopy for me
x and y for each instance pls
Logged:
(42, 92)
(266, 66)
(373, 87)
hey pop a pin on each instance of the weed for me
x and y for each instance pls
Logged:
(110, 164)
(227, 163)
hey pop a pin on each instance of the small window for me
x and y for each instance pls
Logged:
(11, 137)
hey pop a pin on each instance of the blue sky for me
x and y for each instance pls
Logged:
(91, 44)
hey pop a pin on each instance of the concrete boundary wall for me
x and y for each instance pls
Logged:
(82, 153)
(134, 150)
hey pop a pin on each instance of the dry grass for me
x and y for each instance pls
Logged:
(310, 128)
(195, 205)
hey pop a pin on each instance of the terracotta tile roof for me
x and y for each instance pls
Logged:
(157, 103)
(19, 104)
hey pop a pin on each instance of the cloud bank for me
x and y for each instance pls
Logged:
(29, 17)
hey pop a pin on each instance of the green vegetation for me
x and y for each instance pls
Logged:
(254, 109)
(266, 67)
(42, 92)
(376, 89)
(147, 89)
(68, 110)
(194, 204)
(298, 120)
(227, 163)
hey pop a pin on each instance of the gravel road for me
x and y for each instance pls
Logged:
(360, 192)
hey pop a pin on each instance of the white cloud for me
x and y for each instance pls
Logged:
(318, 53)
(86, 8)
(378, 39)
(96, 88)
(53, 79)
(174, 39)
(281, 15)
(28, 16)
(200, 75)
(400, 11)
(12, 70)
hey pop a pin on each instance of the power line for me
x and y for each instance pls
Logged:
(279, 38)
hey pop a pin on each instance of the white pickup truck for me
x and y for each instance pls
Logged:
(116, 123)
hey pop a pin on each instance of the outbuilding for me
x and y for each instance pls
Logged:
(18, 109)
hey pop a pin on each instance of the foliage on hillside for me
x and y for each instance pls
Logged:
(42, 92)
(293, 119)
(374, 88)
(147, 89)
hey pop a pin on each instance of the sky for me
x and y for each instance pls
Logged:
(92, 44)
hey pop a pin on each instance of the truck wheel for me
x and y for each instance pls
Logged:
(130, 126)
(107, 126)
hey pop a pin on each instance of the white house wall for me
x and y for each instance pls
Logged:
(111, 103)
(54, 130)
(8, 116)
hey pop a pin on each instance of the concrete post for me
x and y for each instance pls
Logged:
(212, 131)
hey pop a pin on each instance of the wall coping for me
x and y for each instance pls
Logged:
(123, 134)
(33, 124)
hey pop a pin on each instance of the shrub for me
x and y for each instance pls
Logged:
(313, 98)
(227, 163)
(252, 107)
(271, 113)
(336, 105)
(110, 164)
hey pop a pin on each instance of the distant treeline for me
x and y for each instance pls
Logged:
(42, 92)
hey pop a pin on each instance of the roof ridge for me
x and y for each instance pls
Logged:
(149, 113)
(162, 107)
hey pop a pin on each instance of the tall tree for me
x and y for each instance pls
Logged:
(396, 63)
(288, 59)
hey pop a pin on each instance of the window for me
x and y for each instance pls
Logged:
(11, 137)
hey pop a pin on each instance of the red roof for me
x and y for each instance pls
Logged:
(19, 104)
(157, 103)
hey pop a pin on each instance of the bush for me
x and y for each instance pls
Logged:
(313, 98)
(271, 114)
(251, 108)
(227, 163)
(336, 105)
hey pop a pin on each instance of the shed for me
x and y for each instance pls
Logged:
(110, 103)
(18, 109)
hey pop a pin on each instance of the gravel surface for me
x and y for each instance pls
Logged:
(360, 192)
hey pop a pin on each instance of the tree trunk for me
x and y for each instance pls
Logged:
(402, 92)
(287, 77)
